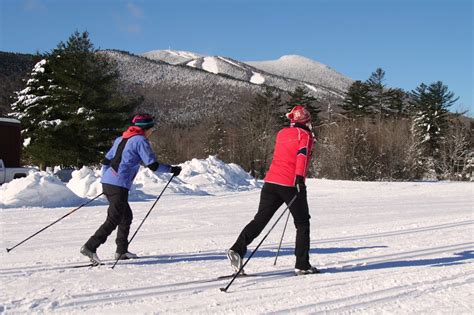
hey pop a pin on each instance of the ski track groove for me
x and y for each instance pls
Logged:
(29, 269)
(70, 265)
(369, 299)
(391, 233)
(250, 300)
(403, 255)
(140, 293)
(204, 284)
(111, 296)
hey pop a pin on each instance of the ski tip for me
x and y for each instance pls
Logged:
(8, 250)
(223, 289)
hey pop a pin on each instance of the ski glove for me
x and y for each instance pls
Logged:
(300, 186)
(176, 170)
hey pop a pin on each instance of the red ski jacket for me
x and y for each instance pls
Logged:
(291, 157)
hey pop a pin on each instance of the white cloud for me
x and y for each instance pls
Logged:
(34, 5)
(136, 11)
(130, 21)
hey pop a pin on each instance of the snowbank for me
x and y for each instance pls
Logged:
(38, 189)
(199, 177)
(85, 183)
(213, 175)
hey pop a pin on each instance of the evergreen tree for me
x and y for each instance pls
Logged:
(260, 123)
(300, 96)
(358, 100)
(430, 119)
(376, 86)
(33, 106)
(397, 101)
(216, 138)
(77, 107)
(384, 98)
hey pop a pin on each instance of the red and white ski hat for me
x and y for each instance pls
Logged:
(144, 121)
(299, 114)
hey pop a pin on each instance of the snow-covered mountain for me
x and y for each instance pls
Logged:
(187, 86)
(242, 71)
(286, 73)
(304, 69)
(181, 93)
(171, 56)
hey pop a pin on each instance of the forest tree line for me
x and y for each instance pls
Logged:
(72, 107)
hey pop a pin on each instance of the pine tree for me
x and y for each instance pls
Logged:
(397, 102)
(82, 109)
(300, 96)
(216, 138)
(358, 100)
(376, 87)
(430, 119)
(260, 123)
(386, 100)
(33, 106)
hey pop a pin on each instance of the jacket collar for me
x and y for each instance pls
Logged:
(302, 126)
(132, 131)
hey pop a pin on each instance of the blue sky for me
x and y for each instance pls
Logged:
(414, 41)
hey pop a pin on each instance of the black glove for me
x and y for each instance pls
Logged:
(175, 170)
(299, 184)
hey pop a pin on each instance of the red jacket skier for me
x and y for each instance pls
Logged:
(284, 180)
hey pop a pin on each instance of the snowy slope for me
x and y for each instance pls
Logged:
(245, 72)
(399, 248)
(171, 56)
(180, 92)
(304, 69)
(286, 73)
(206, 86)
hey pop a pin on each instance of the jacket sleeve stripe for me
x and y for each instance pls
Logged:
(303, 151)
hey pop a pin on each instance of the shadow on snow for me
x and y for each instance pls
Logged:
(265, 253)
(456, 259)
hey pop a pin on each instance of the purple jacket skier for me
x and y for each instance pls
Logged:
(120, 166)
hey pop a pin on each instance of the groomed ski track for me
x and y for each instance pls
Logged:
(382, 247)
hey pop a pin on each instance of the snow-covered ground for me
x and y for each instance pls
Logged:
(404, 248)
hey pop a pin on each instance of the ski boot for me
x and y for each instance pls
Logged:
(95, 260)
(125, 256)
(309, 271)
(235, 261)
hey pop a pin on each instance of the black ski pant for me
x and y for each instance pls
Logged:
(271, 198)
(119, 214)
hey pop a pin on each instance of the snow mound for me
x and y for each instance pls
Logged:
(85, 182)
(199, 177)
(38, 189)
(151, 183)
(213, 175)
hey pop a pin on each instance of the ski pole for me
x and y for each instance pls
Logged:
(146, 216)
(67, 214)
(256, 248)
(281, 240)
